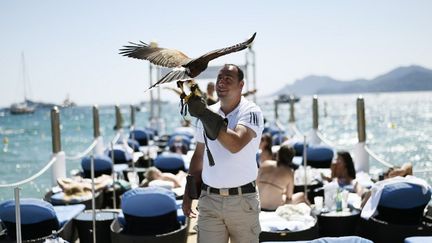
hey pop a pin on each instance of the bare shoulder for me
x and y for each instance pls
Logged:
(268, 163)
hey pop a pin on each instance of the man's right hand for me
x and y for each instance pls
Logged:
(187, 207)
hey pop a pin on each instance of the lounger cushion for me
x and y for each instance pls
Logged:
(32, 211)
(402, 203)
(272, 130)
(278, 138)
(38, 218)
(298, 147)
(102, 165)
(344, 239)
(133, 144)
(142, 136)
(319, 156)
(152, 131)
(66, 213)
(150, 211)
(418, 239)
(182, 133)
(180, 216)
(403, 195)
(148, 202)
(120, 155)
(169, 162)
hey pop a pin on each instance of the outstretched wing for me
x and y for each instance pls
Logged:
(223, 51)
(158, 56)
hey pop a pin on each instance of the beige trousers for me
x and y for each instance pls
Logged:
(228, 217)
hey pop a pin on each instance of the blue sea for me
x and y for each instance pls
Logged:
(398, 127)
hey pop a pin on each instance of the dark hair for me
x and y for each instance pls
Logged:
(240, 74)
(285, 156)
(349, 164)
(267, 137)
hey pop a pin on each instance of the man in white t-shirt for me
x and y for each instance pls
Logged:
(228, 135)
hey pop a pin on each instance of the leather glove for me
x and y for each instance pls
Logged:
(211, 121)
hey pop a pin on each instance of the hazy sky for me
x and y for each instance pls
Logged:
(71, 47)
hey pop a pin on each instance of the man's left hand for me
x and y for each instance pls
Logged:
(196, 106)
(211, 121)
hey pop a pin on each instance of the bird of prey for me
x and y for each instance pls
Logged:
(184, 67)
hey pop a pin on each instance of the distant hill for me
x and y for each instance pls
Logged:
(411, 78)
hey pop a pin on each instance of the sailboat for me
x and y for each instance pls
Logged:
(26, 106)
(68, 102)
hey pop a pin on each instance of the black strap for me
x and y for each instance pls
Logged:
(209, 154)
(183, 105)
(247, 188)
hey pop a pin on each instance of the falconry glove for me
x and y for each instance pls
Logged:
(211, 121)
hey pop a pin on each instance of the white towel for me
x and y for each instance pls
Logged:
(371, 205)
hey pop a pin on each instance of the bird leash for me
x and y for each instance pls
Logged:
(209, 154)
(195, 91)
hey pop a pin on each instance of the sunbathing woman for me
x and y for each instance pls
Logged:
(276, 181)
(342, 169)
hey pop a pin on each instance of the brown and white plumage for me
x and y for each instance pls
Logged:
(184, 67)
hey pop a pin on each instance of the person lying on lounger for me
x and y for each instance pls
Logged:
(80, 186)
(404, 170)
(154, 173)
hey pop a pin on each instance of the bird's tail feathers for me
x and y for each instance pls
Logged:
(177, 74)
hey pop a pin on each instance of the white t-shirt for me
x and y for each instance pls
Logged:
(233, 169)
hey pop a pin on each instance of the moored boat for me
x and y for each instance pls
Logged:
(21, 108)
(285, 98)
